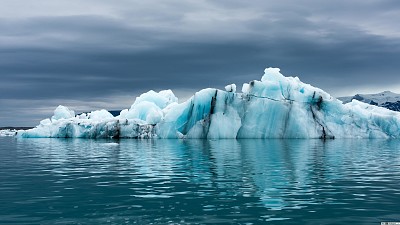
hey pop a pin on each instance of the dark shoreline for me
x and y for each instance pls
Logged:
(15, 128)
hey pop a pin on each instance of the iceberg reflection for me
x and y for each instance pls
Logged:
(264, 178)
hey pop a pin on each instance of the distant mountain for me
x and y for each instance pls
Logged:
(15, 128)
(384, 99)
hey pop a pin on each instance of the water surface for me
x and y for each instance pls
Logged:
(76, 181)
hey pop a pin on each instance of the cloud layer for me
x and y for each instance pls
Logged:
(99, 54)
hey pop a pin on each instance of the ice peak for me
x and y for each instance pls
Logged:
(272, 73)
(62, 112)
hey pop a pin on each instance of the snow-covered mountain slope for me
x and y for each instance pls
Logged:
(275, 107)
(384, 99)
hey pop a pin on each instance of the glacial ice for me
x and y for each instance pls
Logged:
(275, 107)
(230, 88)
(7, 132)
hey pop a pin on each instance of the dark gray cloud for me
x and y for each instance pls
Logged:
(97, 54)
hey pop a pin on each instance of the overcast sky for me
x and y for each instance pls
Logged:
(93, 54)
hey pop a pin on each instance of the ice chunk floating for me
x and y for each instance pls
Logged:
(275, 107)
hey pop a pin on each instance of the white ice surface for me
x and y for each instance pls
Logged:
(230, 88)
(7, 132)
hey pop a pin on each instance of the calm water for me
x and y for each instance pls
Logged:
(58, 181)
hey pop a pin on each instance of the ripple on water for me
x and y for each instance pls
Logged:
(198, 181)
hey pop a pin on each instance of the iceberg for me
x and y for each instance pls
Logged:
(7, 132)
(273, 107)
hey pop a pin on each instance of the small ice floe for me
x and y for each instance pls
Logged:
(110, 144)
